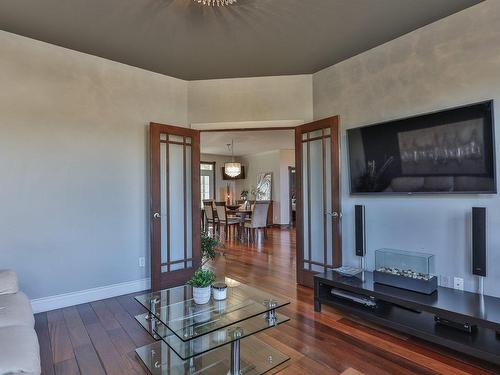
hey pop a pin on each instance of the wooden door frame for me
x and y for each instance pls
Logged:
(333, 123)
(155, 129)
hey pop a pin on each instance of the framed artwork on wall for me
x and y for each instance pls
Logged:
(263, 190)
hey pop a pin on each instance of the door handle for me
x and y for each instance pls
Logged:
(334, 214)
(156, 215)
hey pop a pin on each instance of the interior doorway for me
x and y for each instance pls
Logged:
(270, 193)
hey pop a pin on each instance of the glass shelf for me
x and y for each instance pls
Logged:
(257, 358)
(211, 341)
(176, 309)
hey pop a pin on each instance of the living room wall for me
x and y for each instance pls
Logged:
(451, 62)
(74, 162)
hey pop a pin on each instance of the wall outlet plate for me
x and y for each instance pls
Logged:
(445, 281)
(458, 283)
(142, 262)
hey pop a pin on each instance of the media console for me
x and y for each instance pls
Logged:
(415, 313)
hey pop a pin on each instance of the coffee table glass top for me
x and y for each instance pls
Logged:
(176, 309)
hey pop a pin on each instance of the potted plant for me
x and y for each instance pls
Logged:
(203, 278)
(202, 285)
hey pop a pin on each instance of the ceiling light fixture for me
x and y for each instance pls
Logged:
(213, 3)
(232, 169)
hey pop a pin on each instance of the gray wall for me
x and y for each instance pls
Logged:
(452, 62)
(73, 164)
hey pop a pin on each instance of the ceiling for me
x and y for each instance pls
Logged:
(246, 142)
(184, 39)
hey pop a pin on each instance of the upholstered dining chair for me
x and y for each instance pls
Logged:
(208, 208)
(258, 219)
(224, 219)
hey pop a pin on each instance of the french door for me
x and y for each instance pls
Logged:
(318, 198)
(175, 204)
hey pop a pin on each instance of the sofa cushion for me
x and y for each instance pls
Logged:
(15, 310)
(19, 351)
(8, 282)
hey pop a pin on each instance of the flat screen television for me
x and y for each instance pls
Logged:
(451, 151)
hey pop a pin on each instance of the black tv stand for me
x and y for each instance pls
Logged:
(414, 313)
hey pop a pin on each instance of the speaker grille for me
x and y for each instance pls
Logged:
(479, 241)
(360, 239)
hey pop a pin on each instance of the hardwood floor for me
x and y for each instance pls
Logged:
(100, 337)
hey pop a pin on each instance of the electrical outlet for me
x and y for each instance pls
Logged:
(458, 283)
(142, 262)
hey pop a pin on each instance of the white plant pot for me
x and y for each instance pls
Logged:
(201, 295)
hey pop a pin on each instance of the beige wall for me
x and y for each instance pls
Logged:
(74, 164)
(451, 62)
(251, 99)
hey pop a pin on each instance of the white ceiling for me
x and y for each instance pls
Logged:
(247, 142)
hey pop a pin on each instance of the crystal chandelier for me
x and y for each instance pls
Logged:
(218, 3)
(232, 169)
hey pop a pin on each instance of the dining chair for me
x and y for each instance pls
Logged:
(225, 219)
(208, 207)
(258, 219)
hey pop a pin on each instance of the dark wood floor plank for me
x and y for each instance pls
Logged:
(112, 360)
(60, 342)
(131, 305)
(67, 367)
(77, 332)
(87, 314)
(138, 335)
(88, 360)
(105, 316)
(46, 357)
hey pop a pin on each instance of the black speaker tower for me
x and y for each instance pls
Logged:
(479, 241)
(359, 229)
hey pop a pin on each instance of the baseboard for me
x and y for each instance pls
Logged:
(88, 295)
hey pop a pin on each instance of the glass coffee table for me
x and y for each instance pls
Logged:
(215, 338)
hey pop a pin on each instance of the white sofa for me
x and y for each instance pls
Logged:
(19, 349)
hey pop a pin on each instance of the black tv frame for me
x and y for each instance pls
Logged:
(494, 191)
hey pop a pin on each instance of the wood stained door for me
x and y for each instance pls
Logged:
(318, 198)
(175, 204)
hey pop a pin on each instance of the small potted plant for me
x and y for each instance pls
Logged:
(203, 278)
(202, 285)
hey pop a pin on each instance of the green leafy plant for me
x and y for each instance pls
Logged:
(202, 278)
(210, 247)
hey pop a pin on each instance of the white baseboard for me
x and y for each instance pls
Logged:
(88, 295)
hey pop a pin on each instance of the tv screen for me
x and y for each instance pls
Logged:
(451, 151)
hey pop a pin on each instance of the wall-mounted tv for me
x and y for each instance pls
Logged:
(451, 151)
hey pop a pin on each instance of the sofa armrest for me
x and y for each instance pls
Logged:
(8, 282)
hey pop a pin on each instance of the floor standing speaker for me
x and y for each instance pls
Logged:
(479, 241)
(359, 235)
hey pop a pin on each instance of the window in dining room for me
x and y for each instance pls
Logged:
(207, 180)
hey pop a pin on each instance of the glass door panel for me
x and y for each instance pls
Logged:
(318, 204)
(175, 206)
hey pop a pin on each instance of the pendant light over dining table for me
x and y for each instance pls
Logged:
(232, 169)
